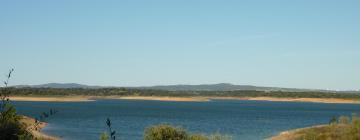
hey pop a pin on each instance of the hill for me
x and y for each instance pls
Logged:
(201, 87)
(223, 87)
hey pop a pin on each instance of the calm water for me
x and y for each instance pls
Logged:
(243, 120)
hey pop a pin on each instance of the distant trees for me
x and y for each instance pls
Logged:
(150, 92)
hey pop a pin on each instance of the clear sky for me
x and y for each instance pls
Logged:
(287, 43)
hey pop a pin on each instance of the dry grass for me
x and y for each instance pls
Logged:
(340, 129)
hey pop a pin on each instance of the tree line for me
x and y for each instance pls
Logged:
(152, 92)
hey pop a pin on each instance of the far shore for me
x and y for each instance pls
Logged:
(314, 100)
(52, 98)
(179, 99)
(159, 98)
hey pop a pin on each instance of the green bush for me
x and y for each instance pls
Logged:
(168, 132)
(10, 126)
(165, 132)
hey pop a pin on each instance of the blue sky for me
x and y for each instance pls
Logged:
(297, 43)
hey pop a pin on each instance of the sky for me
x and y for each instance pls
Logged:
(281, 43)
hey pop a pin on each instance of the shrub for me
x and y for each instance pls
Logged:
(344, 120)
(104, 136)
(165, 132)
(198, 137)
(344, 130)
(355, 127)
(10, 126)
(168, 132)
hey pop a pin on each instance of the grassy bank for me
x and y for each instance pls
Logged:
(343, 128)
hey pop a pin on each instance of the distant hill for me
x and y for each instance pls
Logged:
(222, 87)
(58, 85)
(202, 87)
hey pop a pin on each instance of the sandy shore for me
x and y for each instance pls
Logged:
(160, 98)
(52, 98)
(179, 99)
(36, 132)
(276, 99)
(315, 100)
(93, 98)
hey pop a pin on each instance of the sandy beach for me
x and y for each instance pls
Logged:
(93, 98)
(53, 98)
(276, 99)
(315, 100)
(159, 98)
(179, 99)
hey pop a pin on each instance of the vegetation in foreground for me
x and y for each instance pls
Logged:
(342, 128)
(168, 132)
(12, 125)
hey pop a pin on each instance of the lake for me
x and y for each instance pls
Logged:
(243, 120)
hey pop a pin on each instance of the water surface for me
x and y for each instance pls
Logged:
(243, 120)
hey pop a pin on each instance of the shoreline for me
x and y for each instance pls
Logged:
(159, 98)
(52, 98)
(180, 99)
(36, 132)
(311, 100)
